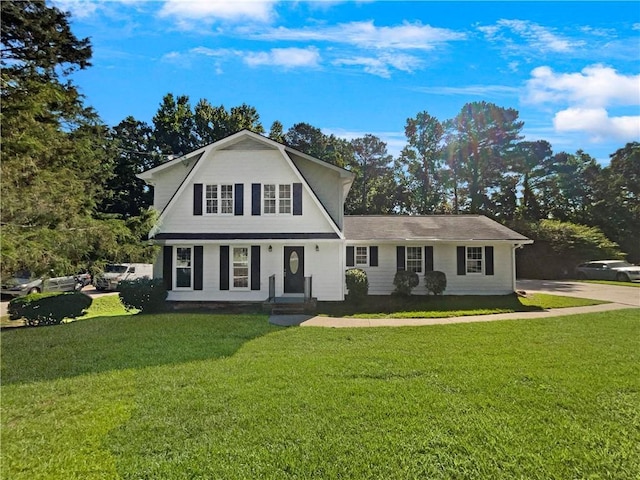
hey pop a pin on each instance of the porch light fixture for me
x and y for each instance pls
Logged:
(270, 248)
(317, 248)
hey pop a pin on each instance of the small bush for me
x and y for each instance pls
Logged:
(405, 281)
(357, 284)
(40, 309)
(145, 294)
(435, 282)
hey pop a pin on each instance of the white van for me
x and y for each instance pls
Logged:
(117, 272)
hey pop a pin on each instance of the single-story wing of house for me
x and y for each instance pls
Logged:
(247, 218)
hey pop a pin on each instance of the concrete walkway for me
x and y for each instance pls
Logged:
(620, 298)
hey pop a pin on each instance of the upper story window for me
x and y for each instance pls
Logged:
(219, 199)
(277, 199)
(414, 259)
(474, 259)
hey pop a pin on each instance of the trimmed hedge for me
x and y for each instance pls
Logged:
(435, 282)
(40, 309)
(357, 284)
(145, 294)
(405, 281)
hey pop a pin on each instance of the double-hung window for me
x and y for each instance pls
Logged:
(284, 198)
(414, 259)
(226, 199)
(277, 199)
(183, 267)
(211, 199)
(474, 259)
(218, 199)
(362, 256)
(240, 267)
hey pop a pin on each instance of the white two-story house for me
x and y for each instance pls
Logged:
(247, 218)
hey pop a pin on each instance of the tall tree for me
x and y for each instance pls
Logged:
(373, 190)
(310, 140)
(214, 123)
(482, 139)
(132, 147)
(276, 132)
(174, 126)
(422, 158)
(533, 161)
(55, 161)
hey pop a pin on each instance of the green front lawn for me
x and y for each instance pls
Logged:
(212, 396)
(420, 306)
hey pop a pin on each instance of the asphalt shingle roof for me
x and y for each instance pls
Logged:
(427, 227)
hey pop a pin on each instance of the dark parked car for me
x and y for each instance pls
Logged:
(24, 283)
(608, 270)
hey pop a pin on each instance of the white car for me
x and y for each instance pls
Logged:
(608, 270)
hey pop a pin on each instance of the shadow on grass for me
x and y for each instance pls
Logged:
(103, 344)
(420, 303)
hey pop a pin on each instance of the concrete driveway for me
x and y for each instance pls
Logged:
(608, 293)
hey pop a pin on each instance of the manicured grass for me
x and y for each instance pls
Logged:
(209, 396)
(103, 306)
(447, 306)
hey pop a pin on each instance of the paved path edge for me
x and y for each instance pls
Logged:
(340, 322)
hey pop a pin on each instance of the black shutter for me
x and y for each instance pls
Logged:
(400, 258)
(167, 266)
(256, 194)
(255, 267)
(238, 199)
(197, 267)
(462, 260)
(488, 258)
(297, 199)
(428, 258)
(197, 199)
(351, 262)
(224, 267)
(373, 256)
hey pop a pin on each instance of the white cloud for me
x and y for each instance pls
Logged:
(475, 90)
(408, 36)
(597, 123)
(190, 14)
(536, 37)
(284, 57)
(595, 86)
(382, 64)
(589, 97)
(281, 57)
(81, 9)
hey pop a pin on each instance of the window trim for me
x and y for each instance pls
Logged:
(175, 267)
(366, 255)
(218, 199)
(469, 260)
(232, 266)
(277, 198)
(421, 259)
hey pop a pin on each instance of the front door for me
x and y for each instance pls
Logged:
(293, 269)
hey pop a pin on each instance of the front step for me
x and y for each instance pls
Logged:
(290, 306)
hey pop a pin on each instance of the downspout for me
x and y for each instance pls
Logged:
(513, 263)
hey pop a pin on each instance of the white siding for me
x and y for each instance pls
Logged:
(445, 260)
(324, 266)
(231, 167)
(167, 183)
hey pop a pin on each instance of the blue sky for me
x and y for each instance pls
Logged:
(572, 69)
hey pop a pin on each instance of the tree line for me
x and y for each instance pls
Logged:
(70, 197)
